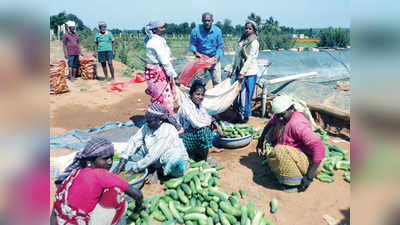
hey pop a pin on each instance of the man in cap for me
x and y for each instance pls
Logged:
(206, 39)
(297, 152)
(105, 48)
(72, 50)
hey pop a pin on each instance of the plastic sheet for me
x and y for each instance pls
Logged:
(191, 69)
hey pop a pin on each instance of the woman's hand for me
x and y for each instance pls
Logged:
(240, 77)
(121, 166)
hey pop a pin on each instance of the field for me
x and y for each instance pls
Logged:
(244, 170)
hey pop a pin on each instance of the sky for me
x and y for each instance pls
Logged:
(134, 14)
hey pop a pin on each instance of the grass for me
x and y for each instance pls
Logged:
(305, 44)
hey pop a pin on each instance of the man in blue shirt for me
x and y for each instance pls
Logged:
(206, 39)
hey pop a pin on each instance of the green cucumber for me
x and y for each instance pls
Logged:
(200, 210)
(182, 196)
(192, 186)
(221, 195)
(231, 219)
(194, 216)
(169, 222)
(243, 217)
(274, 205)
(214, 206)
(242, 193)
(172, 193)
(220, 167)
(174, 212)
(227, 208)
(156, 214)
(325, 178)
(197, 183)
(210, 212)
(257, 218)
(173, 183)
(222, 218)
(251, 210)
(186, 189)
(165, 210)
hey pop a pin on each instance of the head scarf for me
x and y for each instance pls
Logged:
(96, 147)
(70, 23)
(281, 103)
(158, 111)
(149, 26)
(102, 23)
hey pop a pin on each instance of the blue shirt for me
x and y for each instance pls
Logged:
(207, 43)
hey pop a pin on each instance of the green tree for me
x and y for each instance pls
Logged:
(254, 17)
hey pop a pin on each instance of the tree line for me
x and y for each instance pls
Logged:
(271, 34)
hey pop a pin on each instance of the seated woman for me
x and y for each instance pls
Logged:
(88, 193)
(297, 152)
(156, 145)
(197, 124)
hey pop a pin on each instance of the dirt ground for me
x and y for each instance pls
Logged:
(84, 109)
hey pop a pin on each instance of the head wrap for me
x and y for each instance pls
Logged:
(281, 103)
(254, 24)
(102, 23)
(70, 23)
(149, 26)
(158, 111)
(96, 147)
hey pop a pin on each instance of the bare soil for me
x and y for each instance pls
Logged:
(84, 109)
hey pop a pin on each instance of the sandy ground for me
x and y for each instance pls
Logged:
(84, 109)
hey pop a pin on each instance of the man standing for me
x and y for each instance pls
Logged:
(72, 50)
(105, 48)
(207, 39)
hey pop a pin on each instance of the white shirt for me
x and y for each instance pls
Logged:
(158, 52)
(189, 115)
(160, 145)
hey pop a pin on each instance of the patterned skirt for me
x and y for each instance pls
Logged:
(197, 139)
(289, 164)
(160, 87)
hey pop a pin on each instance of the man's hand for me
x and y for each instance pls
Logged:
(121, 166)
(213, 60)
(240, 77)
(305, 182)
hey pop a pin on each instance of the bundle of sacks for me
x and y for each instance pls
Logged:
(87, 67)
(58, 83)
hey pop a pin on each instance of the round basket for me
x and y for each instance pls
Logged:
(232, 143)
(138, 183)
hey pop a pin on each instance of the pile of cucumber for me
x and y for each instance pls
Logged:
(335, 159)
(236, 130)
(195, 199)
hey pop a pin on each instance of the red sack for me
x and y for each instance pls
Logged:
(190, 70)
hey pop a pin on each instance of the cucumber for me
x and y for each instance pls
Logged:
(210, 212)
(169, 222)
(173, 183)
(213, 191)
(342, 165)
(250, 210)
(227, 208)
(242, 193)
(166, 198)
(148, 220)
(209, 221)
(165, 210)
(172, 193)
(325, 178)
(257, 218)
(186, 189)
(174, 212)
(337, 149)
(181, 208)
(188, 177)
(243, 217)
(194, 216)
(197, 183)
(236, 195)
(347, 177)
(182, 196)
(234, 202)
(274, 205)
(214, 206)
(154, 203)
(197, 164)
(192, 202)
(200, 210)
(266, 221)
(156, 214)
(222, 218)
(220, 167)
(192, 186)
(231, 219)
